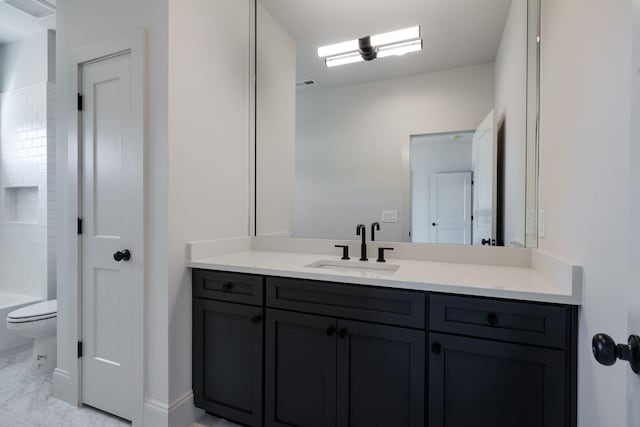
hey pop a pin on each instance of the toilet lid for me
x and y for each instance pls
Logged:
(39, 311)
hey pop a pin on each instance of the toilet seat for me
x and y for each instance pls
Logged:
(34, 313)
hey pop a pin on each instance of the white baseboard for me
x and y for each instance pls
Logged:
(183, 413)
(180, 413)
(63, 388)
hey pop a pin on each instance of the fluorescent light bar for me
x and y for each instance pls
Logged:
(396, 36)
(338, 48)
(397, 49)
(348, 58)
(400, 49)
(377, 40)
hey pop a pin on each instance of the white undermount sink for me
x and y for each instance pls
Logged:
(365, 268)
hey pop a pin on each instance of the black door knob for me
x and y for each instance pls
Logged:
(124, 255)
(607, 352)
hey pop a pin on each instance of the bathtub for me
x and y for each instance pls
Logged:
(9, 341)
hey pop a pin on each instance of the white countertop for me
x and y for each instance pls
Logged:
(516, 283)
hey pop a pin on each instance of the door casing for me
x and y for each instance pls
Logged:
(133, 43)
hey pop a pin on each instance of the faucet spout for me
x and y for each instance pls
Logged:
(361, 230)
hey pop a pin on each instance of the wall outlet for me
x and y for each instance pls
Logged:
(541, 223)
(389, 216)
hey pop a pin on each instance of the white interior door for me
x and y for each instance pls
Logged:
(451, 208)
(484, 177)
(110, 168)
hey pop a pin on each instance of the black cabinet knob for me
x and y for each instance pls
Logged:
(607, 352)
(257, 318)
(343, 333)
(492, 319)
(331, 330)
(436, 348)
(486, 242)
(227, 287)
(434, 224)
(124, 255)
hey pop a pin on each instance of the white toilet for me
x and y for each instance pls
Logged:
(38, 321)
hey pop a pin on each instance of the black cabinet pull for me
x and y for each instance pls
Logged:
(436, 348)
(492, 318)
(343, 333)
(331, 330)
(227, 287)
(257, 319)
(607, 352)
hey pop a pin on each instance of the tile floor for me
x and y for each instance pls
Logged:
(25, 401)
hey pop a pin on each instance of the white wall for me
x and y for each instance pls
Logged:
(585, 175)
(511, 106)
(433, 154)
(27, 62)
(352, 146)
(276, 124)
(209, 53)
(80, 23)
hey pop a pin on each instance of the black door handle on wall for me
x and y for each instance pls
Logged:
(607, 352)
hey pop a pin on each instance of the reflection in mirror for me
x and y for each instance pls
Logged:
(417, 114)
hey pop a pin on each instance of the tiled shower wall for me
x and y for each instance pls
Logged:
(27, 191)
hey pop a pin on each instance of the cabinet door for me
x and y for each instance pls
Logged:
(381, 376)
(227, 360)
(300, 362)
(482, 383)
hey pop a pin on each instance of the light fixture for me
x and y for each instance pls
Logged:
(394, 43)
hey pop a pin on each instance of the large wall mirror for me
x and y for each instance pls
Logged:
(419, 115)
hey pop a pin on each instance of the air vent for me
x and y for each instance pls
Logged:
(38, 9)
(306, 83)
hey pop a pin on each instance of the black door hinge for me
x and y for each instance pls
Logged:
(79, 225)
(79, 102)
(79, 349)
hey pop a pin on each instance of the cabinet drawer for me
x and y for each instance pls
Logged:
(527, 323)
(232, 287)
(389, 306)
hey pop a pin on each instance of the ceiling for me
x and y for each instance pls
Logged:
(15, 25)
(456, 33)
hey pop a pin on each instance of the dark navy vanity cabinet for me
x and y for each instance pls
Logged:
(276, 352)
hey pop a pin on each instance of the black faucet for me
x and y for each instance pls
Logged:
(361, 230)
(375, 226)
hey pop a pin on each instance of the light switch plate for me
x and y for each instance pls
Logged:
(389, 216)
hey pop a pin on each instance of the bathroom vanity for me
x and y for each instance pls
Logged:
(281, 347)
